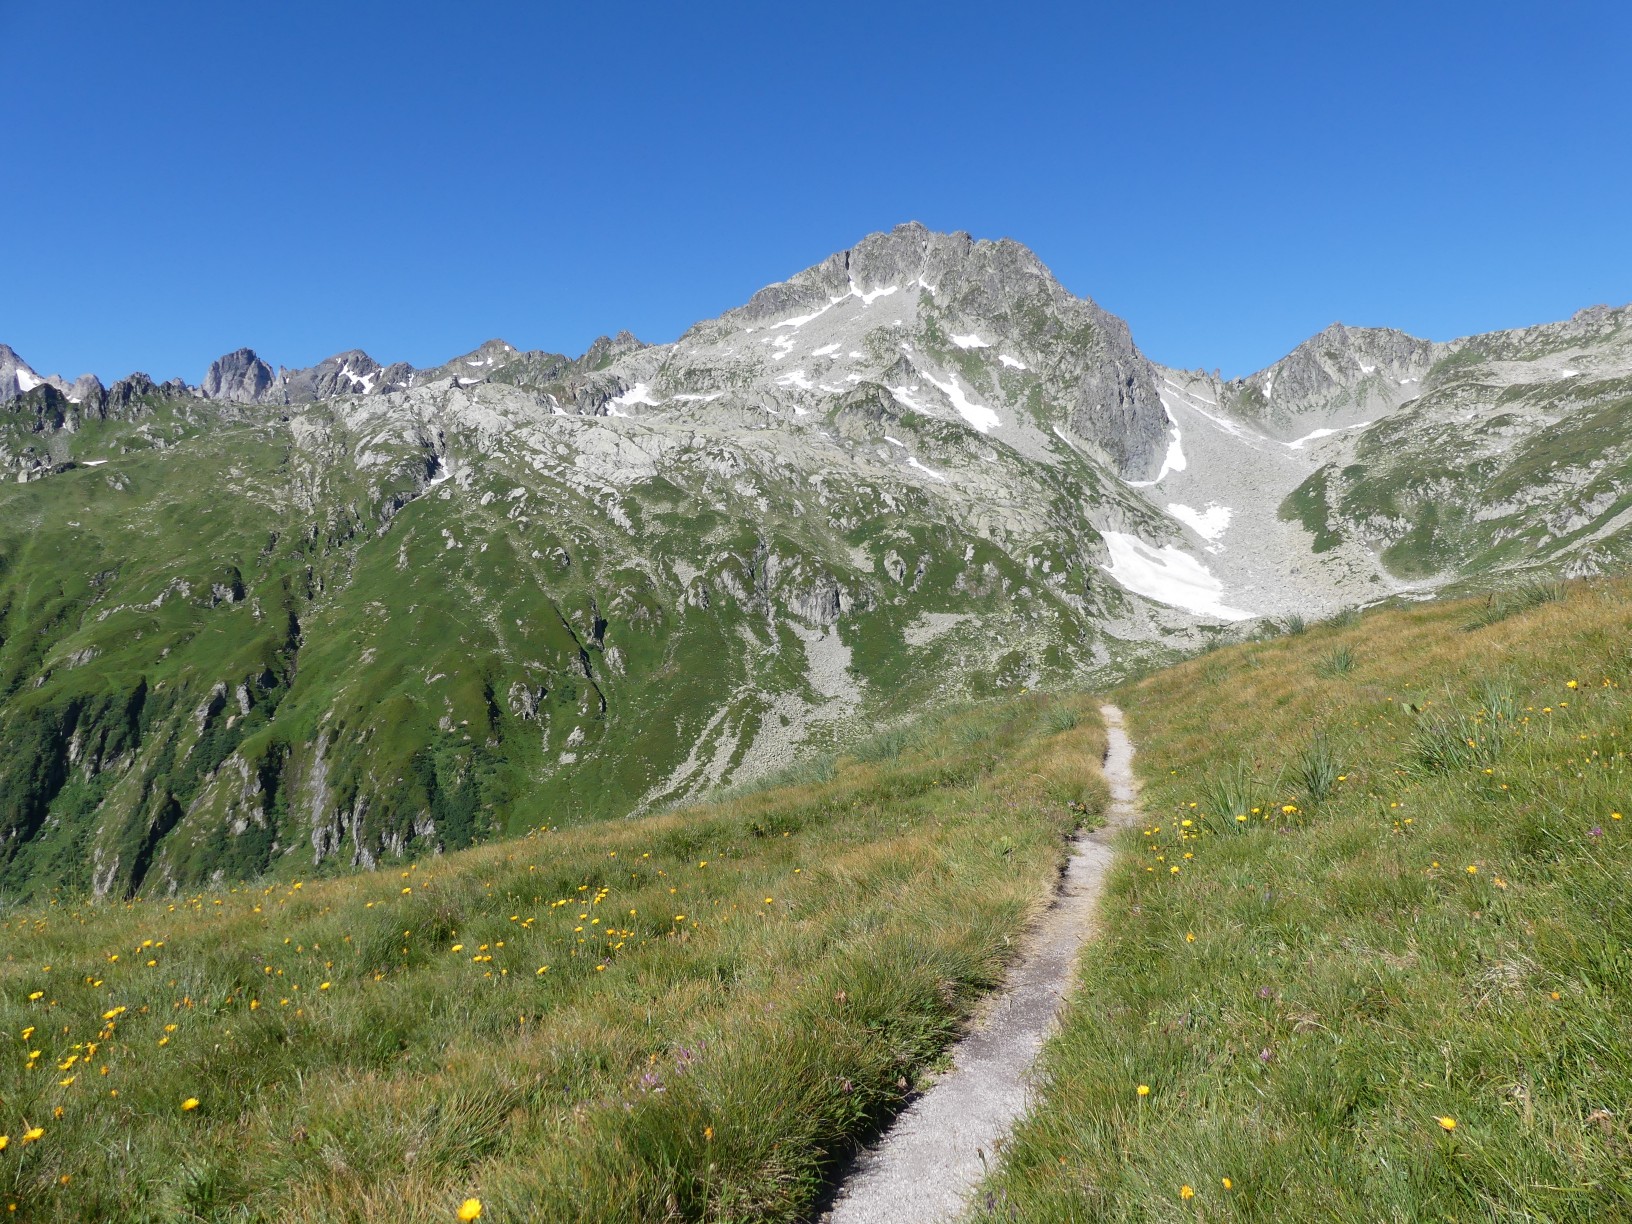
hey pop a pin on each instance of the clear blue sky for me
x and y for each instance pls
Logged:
(413, 178)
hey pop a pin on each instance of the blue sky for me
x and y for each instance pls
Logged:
(411, 179)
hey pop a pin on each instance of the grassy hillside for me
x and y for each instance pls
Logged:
(243, 641)
(682, 1017)
(1371, 956)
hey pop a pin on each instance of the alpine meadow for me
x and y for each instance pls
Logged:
(632, 786)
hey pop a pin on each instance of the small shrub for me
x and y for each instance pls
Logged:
(885, 746)
(1446, 741)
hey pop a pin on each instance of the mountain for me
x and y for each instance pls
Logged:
(337, 615)
(17, 377)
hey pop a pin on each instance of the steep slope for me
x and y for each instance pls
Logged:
(1368, 463)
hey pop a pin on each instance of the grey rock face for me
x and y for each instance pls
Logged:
(607, 349)
(89, 391)
(240, 376)
(1093, 381)
(16, 376)
(1337, 378)
(130, 396)
(476, 366)
(353, 372)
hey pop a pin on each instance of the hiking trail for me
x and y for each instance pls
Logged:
(923, 1169)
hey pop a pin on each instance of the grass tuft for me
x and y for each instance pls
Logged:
(1315, 772)
(1339, 661)
(1497, 608)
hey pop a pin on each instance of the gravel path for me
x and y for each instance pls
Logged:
(925, 1166)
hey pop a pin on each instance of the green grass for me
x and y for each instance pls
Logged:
(1446, 934)
(734, 994)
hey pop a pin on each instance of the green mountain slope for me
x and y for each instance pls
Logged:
(361, 632)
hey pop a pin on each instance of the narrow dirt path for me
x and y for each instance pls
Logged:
(925, 1166)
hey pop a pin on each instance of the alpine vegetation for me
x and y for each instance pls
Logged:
(306, 619)
(603, 787)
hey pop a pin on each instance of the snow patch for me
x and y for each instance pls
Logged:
(92, 462)
(1011, 362)
(795, 378)
(930, 472)
(895, 442)
(1316, 435)
(903, 396)
(1193, 402)
(27, 380)
(366, 381)
(978, 415)
(871, 295)
(827, 350)
(971, 341)
(1168, 575)
(1173, 461)
(687, 397)
(1209, 524)
(800, 320)
(640, 393)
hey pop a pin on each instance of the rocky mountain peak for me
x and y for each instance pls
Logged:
(974, 331)
(87, 389)
(240, 376)
(1338, 377)
(607, 349)
(16, 375)
(352, 372)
